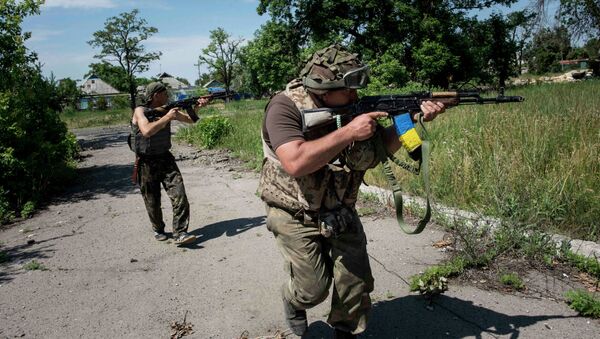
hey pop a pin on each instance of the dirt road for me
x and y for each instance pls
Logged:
(106, 277)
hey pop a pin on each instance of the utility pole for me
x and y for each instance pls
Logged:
(199, 72)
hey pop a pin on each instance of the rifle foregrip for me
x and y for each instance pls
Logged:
(511, 99)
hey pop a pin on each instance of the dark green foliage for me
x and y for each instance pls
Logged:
(513, 280)
(212, 129)
(585, 303)
(36, 149)
(68, 93)
(221, 56)
(435, 279)
(590, 265)
(121, 40)
(548, 47)
(435, 43)
(270, 60)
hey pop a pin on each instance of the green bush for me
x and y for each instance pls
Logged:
(28, 209)
(36, 150)
(119, 102)
(212, 129)
(585, 303)
(513, 280)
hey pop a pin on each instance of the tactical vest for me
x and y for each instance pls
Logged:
(159, 143)
(332, 186)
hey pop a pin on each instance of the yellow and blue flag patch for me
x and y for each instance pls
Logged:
(405, 129)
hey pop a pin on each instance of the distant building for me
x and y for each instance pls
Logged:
(567, 65)
(171, 81)
(96, 90)
(213, 83)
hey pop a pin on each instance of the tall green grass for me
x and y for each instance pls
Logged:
(535, 162)
(83, 119)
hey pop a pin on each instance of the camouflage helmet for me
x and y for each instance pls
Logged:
(153, 88)
(334, 67)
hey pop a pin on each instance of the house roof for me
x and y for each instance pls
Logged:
(213, 83)
(96, 86)
(164, 75)
(171, 81)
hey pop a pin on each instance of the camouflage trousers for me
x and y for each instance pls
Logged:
(162, 170)
(314, 262)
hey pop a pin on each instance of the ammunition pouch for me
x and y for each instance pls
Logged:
(336, 222)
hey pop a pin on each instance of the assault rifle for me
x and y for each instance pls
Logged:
(396, 104)
(186, 104)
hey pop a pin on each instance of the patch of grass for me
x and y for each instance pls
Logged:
(34, 266)
(513, 280)
(365, 211)
(83, 119)
(587, 304)
(368, 197)
(389, 295)
(589, 265)
(435, 279)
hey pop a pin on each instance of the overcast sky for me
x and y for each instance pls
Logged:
(60, 33)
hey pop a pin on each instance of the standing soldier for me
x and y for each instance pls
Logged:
(156, 165)
(310, 185)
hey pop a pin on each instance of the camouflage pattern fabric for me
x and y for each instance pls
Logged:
(313, 262)
(326, 188)
(157, 171)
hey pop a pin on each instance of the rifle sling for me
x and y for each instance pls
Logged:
(386, 160)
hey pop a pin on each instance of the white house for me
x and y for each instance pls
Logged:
(94, 88)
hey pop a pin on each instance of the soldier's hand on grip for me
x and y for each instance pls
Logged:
(363, 126)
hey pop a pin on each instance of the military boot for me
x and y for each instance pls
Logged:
(295, 319)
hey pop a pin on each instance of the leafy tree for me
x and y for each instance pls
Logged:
(522, 24)
(582, 17)
(502, 48)
(115, 76)
(548, 47)
(221, 56)
(592, 48)
(270, 60)
(68, 92)
(121, 42)
(35, 146)
(381, 30)
(435, 63)
(203, 79)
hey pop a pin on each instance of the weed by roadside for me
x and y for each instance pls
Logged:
(34, 266)
(587, 304)
(485, 254)
(512, 280)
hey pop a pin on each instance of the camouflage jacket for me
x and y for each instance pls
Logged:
(332, 186)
